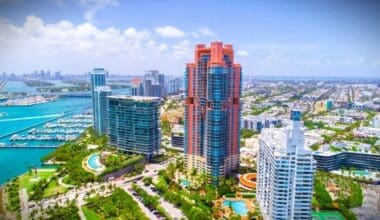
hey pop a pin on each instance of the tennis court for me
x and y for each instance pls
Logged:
(327, 215)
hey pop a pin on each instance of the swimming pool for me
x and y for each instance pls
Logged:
(239, 207)
(361, 173)
(94, 162)
(185, 182)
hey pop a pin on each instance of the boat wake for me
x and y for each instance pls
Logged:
(32, 117)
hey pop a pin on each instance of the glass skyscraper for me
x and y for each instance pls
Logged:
(133, 124)
(212, 111)
(98, 78)
(285, 172)
(101, 108)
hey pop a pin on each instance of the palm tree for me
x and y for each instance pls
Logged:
(171, 170)
(203, 179)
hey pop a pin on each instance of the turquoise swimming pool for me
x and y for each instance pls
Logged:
(185, 182)
(94, 162)
(361, 173)
(239, 207)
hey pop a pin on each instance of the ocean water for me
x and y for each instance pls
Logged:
(19, 119)
(16, 161)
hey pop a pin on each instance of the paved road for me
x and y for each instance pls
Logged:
(142, 206)
(24, 204)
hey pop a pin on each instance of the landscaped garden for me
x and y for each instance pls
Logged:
(119, 205)
(59, 212)
(197, 199)
(74, 158)
(335, 192)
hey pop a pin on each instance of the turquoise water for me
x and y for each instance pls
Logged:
(20, 117)
(93, 161)
(185, 183)
(239, 207)
(16, 161)
(18, 86)
(361, 173)
(13, 162)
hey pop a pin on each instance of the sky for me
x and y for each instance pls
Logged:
(270, 38)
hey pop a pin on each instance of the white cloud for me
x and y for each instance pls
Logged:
(376, 63)
(242, 53)
(93, 6)
(195, 34)
(282, 47)
(77, 48)
(181, 50)
(170, 32)
(205, 31)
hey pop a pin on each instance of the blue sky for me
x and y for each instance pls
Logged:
(293, 38)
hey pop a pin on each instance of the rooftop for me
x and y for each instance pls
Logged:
(98, 71)
(135, 98)
(103, 89)
(277, 138)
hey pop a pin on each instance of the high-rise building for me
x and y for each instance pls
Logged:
(174, 86)
(212, 111)
(285, 172)
(133, 123)
(137, 88)
(154, 84)
(98, 78)
(101, 108)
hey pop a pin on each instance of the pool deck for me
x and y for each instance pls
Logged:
(86, 167)
(248, 202)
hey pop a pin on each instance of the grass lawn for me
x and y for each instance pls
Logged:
(90, 215)
(327, 215)
(54, 188)
(27, 181)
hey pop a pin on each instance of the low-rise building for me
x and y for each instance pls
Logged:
(177, 137)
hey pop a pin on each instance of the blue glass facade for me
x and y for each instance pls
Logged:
(216, 133)
(133, 124)
(98, 78)
(101, 108)
(348, 159)
(212, 111)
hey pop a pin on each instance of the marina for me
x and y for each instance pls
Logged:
(65, 129)
(16, 156)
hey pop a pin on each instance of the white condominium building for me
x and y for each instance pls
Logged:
(285, 172)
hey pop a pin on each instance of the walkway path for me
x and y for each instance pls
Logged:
(60, 182)
(24, 204)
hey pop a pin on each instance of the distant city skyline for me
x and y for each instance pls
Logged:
(313, 38)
